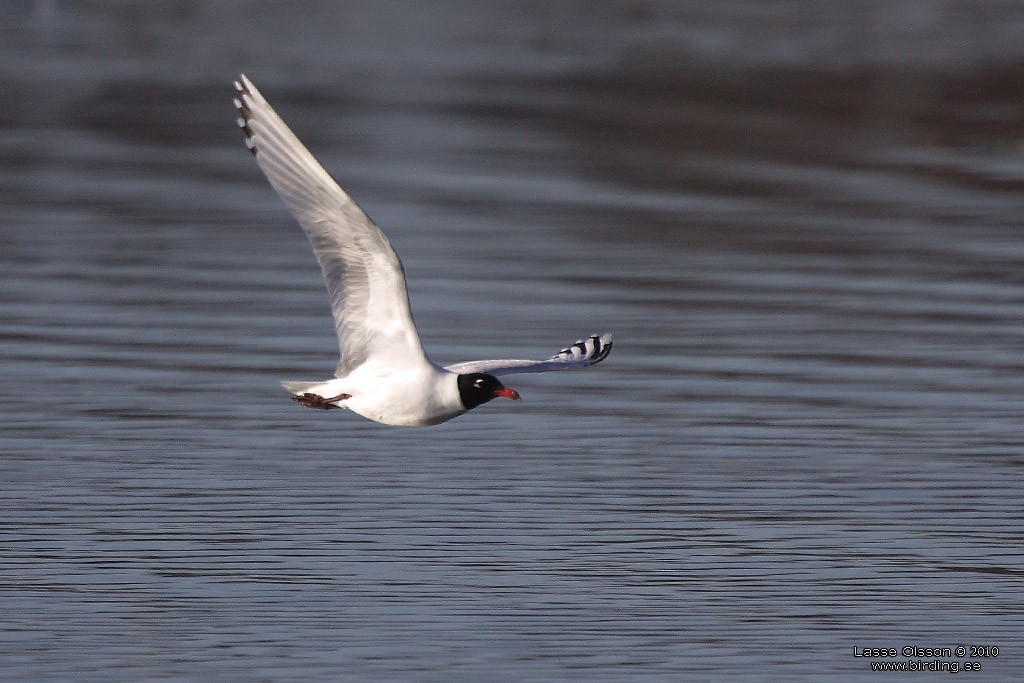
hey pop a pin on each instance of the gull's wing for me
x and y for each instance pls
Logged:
(579, 355)
(364, 277)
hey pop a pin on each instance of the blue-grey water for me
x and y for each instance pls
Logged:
(807, 440)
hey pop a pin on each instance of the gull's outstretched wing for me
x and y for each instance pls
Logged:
(364, 277)
(579, 355)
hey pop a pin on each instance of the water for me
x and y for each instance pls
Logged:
(807, 438)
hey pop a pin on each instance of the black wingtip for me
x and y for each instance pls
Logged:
(600, 350)
(244, 115)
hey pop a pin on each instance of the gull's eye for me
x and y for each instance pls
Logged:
(478, 384)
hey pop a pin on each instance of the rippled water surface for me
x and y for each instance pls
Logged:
(807, 439)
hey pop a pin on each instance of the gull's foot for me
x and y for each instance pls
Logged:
(318, 401)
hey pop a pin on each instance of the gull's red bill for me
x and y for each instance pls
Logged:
(508, 393)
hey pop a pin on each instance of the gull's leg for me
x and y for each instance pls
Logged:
(318, 401)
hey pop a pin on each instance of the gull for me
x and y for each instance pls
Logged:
(383, 373)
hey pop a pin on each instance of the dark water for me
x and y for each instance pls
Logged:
(807, 440)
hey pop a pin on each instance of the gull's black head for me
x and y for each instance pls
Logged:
(477, 388)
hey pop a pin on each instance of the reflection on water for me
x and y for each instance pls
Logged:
(808, 437)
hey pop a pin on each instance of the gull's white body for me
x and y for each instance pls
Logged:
(419, 395)
(383, 373)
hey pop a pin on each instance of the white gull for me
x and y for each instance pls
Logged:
(383, 374)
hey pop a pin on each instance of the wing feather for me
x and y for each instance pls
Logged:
(365, 280)
(581, 354)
